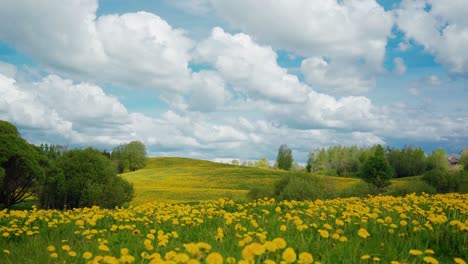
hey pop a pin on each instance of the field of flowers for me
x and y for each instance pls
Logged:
(380, 229)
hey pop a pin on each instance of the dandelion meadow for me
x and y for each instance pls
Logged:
(377, 229)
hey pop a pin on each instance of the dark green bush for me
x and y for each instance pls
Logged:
(302, 187)
(359, 189)
(443, 181)
(417, 187)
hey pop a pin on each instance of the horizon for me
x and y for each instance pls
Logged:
(215, 79)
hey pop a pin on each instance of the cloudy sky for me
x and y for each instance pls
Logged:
(236, 79)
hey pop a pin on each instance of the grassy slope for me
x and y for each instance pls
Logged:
(187, 180)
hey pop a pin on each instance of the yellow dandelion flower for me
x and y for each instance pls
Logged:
(365, 257)
(72, 253)
(289, 256)
(203, 246)
(257, 249)
(270, 246)
(394, 262)
(279, 242)
(6, 252)
(5, 234)
(415, 252)
(103, 247)
(362, 232)
(324, 233)
(193, 261)
(50, 248)
(459, 261)
(87, 255)
(181, 258)
(126, 259)
(343, 239)
(214, 258)
(430, 260)
(230, 260)
(283, 228)
(376, 259)
(66, 247)
(269, 261)
(54, 255)
(429, 251)
(305, 258)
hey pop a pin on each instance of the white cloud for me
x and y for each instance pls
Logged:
(350, 31)
(400, 67)
(442, 29)
(134, 48)
(208, 93)
(250, 67)
(8, 70)
(336, 75)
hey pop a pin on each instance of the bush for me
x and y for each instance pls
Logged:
(359, 189)
(302, 187)
(443, 181)
(417, 187)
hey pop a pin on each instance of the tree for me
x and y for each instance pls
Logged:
(464, 158)
(437, 160)
(284, 159)
(87, 178)
(235, 162)
(263, 163)
(131, 156)
(376, 169)
(20, 166)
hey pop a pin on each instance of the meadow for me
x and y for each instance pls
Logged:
(192, 211)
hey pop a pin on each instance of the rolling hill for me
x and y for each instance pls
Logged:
(190, 180)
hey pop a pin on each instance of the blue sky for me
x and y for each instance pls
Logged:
(225, 79)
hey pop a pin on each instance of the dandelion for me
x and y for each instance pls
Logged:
(6, 252)
(279, 242)
(459, 261)
(66, 247)
(430, 260)
(50, 248)
(415, 252)
(305, 258)
(365, 257)
(429, 251)
(363, 233)
(103, 247)
(54, 255)
(87, 255)
(376, 259)
(214, 258)
(5, 234)
(72, 253)
(324, 233)
(289, 256)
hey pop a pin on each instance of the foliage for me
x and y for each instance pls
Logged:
(406, 162)
(20, 166)
(376, 170)
(84, 178)
(417, 187)
(131, 156)
(284, 159)
(258, 193)
(442, 180)
(437, 160)
(262, 163)
(464, 158)
(299, 186)
(377, 229)
(359, 189)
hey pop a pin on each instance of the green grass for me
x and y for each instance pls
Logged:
(188, 180)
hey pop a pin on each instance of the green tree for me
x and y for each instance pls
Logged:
(20, 168)
(90, 179)
(235, 162)
(263, 163)
(464, 158)
(376, 169)
(134, 156)
(284, 159)
(437, 160)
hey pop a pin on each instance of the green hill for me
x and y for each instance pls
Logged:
(189, 180)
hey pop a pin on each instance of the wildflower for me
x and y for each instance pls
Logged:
(324, 233)
(50, 248)
(231, 260)
(376, 259)
(279, 242)
(394, 262)
(103, 247)
(181, 258)
(415, 252)
(430, 260)
(365, 257)
(283, 228)
(193, 261)
(54, 255)
(87, 255)
(363, 233)
(429, 251)
(269, 261)
(305, 258)
(72, 253)
(126, 259)
(289, 255)
(459, 261)
(214, 258)
(66, 247)
(6, 252)
(270, 246)
(205, 247)
(5, 234)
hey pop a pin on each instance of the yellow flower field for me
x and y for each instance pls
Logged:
(381, 229)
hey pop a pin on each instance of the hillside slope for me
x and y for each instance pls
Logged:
(190, 180)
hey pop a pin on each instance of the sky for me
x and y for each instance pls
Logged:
(219, 79)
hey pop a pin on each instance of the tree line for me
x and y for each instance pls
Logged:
(61, 178)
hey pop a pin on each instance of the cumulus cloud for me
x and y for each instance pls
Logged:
(400, 67)
(440, 27)
(355, 32)
(134, 48)
(252, 68)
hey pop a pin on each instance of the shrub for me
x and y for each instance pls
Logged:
(302, 187)
(417, 187)
(359, 189)
(443, 181)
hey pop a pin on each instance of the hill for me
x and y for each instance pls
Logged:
(190, 180)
